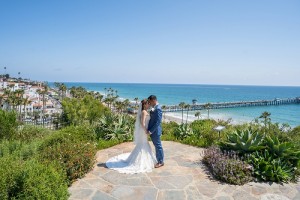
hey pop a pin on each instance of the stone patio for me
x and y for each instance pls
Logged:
(182, 177)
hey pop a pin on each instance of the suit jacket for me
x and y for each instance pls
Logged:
(154, 125)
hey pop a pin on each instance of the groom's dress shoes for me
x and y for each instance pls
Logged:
(158, 165)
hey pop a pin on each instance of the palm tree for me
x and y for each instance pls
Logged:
(63, 89)
(198, 114)
(208, 107)
(7, 94)
(98, 96)
(187, 106)
(136, 101)
(119, 106)
(181, 105)
(194, 101)
(105, 89)
(19, 101)
(26, 101)
(44, 92)
(1, 100)
(58, 85)
(164, 112)
(126, 103)
(266, 116)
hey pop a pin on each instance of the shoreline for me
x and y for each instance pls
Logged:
(171, 117)
(234, 115)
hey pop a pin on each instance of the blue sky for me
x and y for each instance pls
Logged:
(238, 42)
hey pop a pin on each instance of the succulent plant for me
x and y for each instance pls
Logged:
(286, 150)
(268, 168)
(244, 141)
(183, 131)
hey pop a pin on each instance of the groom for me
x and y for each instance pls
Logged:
(155, 130)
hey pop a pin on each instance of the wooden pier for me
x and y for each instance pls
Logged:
(205, 106)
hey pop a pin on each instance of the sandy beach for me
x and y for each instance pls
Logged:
(177, 117)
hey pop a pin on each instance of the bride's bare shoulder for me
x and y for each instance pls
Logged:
(145, 112)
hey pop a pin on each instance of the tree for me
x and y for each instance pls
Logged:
(63, 89)
(1, 100)
(43, 93)
(79, 111)
(111, 97)
(126, 103)
(187, 106)
(136, 99)
(7, 98)
(181, 105)
(266, 116)
(26, 101)
(198, 114)
(19, 100)
(194, 101)
(207, 107)
(98, 96)
(164, 112)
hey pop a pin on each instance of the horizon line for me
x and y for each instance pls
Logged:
(176, 83)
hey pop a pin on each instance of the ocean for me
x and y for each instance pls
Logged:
(173, 94)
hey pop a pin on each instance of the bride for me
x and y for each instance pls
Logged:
(141, 159)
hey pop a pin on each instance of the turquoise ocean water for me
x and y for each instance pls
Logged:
(171, 94)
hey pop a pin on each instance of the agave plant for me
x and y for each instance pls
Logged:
(284, 150)
(183, 131)
(244, 141)
(267, 168)
(112, 126)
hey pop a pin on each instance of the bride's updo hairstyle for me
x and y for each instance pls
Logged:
(144, 102)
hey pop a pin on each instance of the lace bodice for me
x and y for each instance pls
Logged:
(147, 120)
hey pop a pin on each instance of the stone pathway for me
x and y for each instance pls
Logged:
(183, 177)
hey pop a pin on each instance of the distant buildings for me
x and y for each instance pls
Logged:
(27, 99)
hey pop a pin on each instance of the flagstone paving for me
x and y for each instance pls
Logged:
(182, 178)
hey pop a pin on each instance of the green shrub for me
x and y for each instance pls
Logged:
(168, 130)
(295, 136)
(18, 148)
(82, 110)
(204, 129)
(11, 179)
(76, 156)
(30, 180)
(83, 132)
(195, 141)
(29, 133)
(8, 124)
(104, 144)
(43, 182)
(227, 167)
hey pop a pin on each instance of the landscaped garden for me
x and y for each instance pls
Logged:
(36, 163)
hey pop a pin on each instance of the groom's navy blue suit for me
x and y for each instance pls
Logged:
(154, 127)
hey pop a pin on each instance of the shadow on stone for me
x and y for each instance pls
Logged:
(101, 165)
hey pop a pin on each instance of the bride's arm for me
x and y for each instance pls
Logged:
(143, 120)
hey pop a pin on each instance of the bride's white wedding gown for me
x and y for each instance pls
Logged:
(140, 160)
